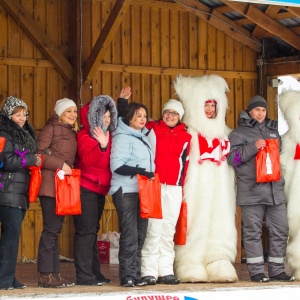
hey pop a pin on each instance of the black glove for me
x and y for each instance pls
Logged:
(148, 174)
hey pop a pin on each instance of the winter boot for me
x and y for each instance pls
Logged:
(48, 280)
(64, 282)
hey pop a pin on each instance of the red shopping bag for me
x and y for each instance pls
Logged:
(68, 194)
(35, 180)
(150, 197)
(181, 226)
(268, 162)
(2, 143)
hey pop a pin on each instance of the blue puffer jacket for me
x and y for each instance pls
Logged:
(128, 149)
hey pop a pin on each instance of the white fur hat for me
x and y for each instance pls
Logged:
(176, 105)
(62, 105)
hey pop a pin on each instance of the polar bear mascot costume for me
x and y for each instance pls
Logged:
(289, 103)
(209, 189)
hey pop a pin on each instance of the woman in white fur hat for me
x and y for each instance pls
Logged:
(57, 142)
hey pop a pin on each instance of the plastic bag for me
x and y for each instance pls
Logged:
(35, 180)
(2, 143)
(108, 248)
(150, 197)
(181, 226)
(268, 162)
(67, 192)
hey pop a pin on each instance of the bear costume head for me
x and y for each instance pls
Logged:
(193, 93)
(289, 103)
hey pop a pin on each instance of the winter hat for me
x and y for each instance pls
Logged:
(256, 101)
(62, 105)
(98, 107)
(11, 103)
(176, 105)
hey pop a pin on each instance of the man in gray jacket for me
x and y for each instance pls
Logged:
(259, 201)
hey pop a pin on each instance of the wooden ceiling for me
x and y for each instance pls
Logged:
(271, 30)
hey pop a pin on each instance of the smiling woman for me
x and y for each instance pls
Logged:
(57, 142)
(18, 154)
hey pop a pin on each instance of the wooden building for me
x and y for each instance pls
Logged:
(52, 49)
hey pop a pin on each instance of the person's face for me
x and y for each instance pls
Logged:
(139, 119)
(69, 116)
(20, 117)
(106, 119)
(258, 114)
(210, 110)
(170, 117)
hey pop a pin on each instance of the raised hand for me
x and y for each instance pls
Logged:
(125, 92)
(101, 137)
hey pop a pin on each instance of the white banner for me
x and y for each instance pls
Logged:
(273, 2)
(289, 291)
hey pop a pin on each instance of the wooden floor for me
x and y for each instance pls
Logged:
(27, 274)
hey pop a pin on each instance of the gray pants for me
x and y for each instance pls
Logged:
(276, 222)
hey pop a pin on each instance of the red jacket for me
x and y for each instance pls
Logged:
(93, 163)
(171, 153)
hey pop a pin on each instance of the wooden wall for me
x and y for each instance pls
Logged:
(155, 43)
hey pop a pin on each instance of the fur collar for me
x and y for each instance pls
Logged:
(20, 135)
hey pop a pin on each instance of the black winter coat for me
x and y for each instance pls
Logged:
(14, 175)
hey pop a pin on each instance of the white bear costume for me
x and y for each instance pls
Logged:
(289, 103)
(209, 188)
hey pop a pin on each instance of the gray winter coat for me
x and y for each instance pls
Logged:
(242, 156)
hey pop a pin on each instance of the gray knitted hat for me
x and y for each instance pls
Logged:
(256, 101)
(11, 103)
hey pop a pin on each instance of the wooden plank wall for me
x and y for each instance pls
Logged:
(156, 42)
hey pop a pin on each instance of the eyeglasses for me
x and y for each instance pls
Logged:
(172, 113)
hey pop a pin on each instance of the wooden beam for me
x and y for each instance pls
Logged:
(133, 69)
(175, 71)
(221, 22)
(271, 12)
(258, 17)
(75, 47)
(103, 42)
(283, 66)
(295, 11)
(38, 36)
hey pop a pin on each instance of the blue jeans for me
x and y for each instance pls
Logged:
(11, 219)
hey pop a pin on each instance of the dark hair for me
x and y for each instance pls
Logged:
(131, 110)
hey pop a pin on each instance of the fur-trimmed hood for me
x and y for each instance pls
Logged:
(193, 93)
(20, 135)
(289, 103)
(91, 114)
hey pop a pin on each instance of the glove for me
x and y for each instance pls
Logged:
(148, 174)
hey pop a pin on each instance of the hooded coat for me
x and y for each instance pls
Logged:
(14, 175)
(210, 248)
(93, 161)
(289, 103)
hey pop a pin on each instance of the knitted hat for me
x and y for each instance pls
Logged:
(176, 105)
(256, 101)
(11, 103)
(62, 105)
